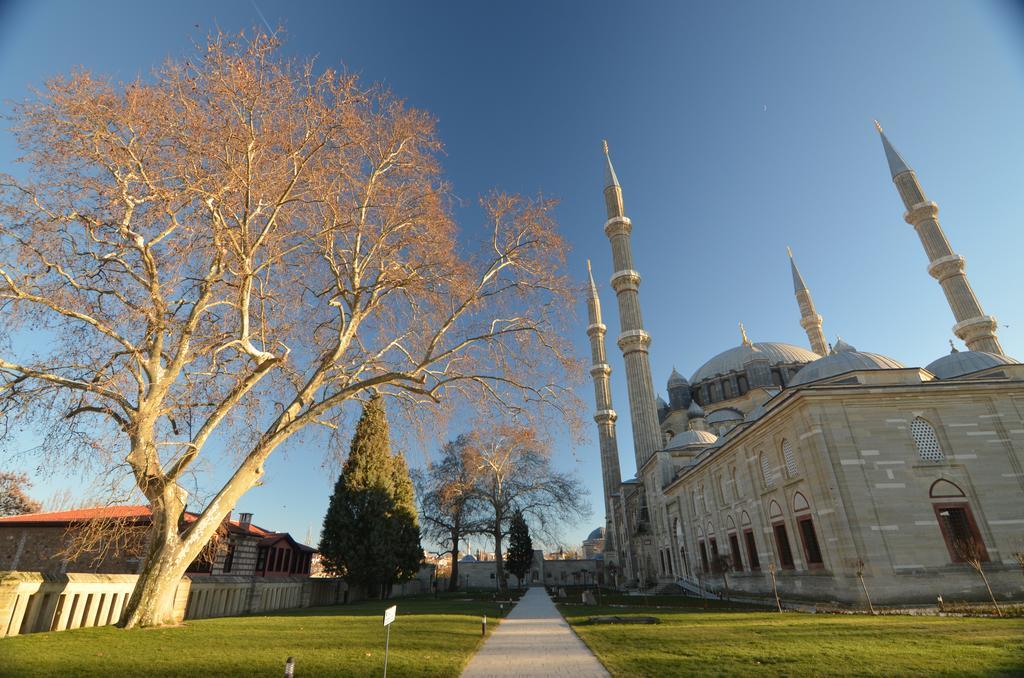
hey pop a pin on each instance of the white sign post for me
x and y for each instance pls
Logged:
(389, 616)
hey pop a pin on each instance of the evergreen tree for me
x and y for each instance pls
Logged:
(371, 533)
(520, 548)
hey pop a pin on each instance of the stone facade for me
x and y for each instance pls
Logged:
(543, 572)
(834, 468)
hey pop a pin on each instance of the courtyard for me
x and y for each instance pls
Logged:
(438, 637)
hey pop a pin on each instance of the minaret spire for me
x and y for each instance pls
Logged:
(975, 328)
(633, 340)
(809, 318)
(605, 416)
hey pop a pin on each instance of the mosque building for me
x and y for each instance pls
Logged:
(828, 470)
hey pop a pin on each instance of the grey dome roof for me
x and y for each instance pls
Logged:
(735, 358)
(844, 358)
(676, 379)
(687, 438)
(596, 534)
(755, 414)
(468, 558)
(723, 415)
(695, 410)
(965, 362)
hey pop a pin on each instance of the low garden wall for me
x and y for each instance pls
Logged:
(32, 601)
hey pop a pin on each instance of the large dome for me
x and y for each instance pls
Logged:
(964, 362)
(844, 358)
(596, 534)
(734, 359)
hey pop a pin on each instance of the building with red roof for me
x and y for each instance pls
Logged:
(111, 540)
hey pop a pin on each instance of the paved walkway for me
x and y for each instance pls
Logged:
(534, 640)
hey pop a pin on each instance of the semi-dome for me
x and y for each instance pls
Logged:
(690, 437)
(694, 410)
(724, 415)
(959, 363)
(843, 358)
(734, 359)
(596, 534)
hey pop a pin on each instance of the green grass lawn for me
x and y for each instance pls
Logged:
(429, 638)
(768, 643)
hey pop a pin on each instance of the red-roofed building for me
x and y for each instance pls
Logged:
(38, 542)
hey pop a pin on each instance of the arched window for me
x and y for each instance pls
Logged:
(722, 496)
(943, 488)
(928, 448)
(766, 472)
(789, 457)
(693, 497)
(737, 491)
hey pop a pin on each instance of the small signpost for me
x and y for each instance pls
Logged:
(389, 616)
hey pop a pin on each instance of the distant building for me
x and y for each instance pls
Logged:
(550, 572)
(593, 545)
(37, 542)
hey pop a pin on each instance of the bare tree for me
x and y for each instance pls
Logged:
(14, 499)
(450, 509)
(233, 250)
(858, 568)
(514, 473)
(970, 551)
(720, 565)
(775, 588)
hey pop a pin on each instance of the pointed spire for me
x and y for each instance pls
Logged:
(798, 280)
(743, 334)
(609, 172)
(897, 165)
(593, 300)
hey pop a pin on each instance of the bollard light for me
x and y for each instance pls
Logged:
(289, 668)
(483, 626)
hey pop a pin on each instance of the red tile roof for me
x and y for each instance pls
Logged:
(142, 513)
(78, 515)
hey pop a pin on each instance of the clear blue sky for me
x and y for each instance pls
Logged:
(737, 128)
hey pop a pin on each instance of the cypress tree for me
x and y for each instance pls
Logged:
(371, 535)
(520, 548)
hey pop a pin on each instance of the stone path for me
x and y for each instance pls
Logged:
(534, 640)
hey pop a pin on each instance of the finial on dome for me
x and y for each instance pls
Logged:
(878, 126)
(953, 348)
(604, 144)
(743, 334)
(789, 251)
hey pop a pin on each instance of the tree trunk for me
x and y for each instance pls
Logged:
(152, 601)
(453, 580)
(499, 565)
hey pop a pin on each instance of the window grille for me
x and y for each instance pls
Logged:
(928, 447)
(766, 472)
(787, 454)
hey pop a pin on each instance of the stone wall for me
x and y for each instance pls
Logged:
(31, 602)
(32, 548)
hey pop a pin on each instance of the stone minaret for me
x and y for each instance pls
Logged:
(633, 340)
(975, 328)
(809, 318)
(605, 416)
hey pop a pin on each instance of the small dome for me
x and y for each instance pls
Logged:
(694, 410)
(661, 403)
(845, 359)
(691, 437)
(723, 415)
(596, 534)
(964, 362)
(676, 379)
(468, 558)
